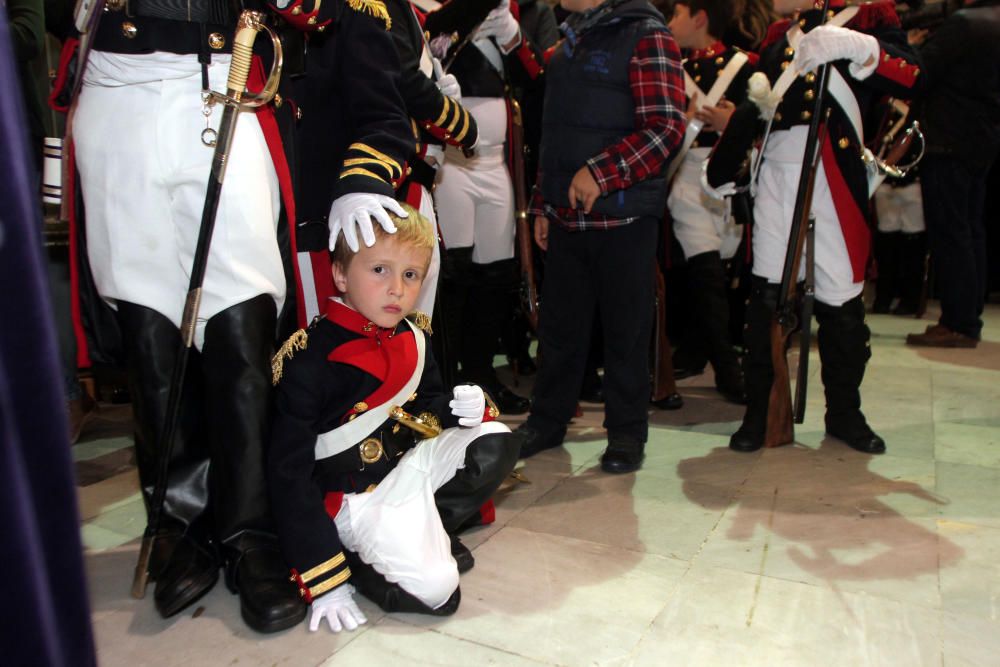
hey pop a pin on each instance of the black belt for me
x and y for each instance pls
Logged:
(192, 11)
(119, 32)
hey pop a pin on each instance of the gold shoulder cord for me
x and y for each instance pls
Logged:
(297, 341)
(422, 321)
(376, 8)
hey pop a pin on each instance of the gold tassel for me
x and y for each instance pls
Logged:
(422, 321)
(297, 341)
(376, 8)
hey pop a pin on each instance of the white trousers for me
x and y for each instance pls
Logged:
(774, 206)
(475, 197)
(144, 173)
(900, 209)
(701, 223)
(397, 529)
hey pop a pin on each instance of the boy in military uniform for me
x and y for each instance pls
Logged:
(359, 501)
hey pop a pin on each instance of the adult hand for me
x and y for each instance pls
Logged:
(692, 107)
(354, 211)
(716, 118)
(338, 608)
(448, 85)
(468, 405)
(542, 232)
(583, 190)
(501, 24)
(828, 43)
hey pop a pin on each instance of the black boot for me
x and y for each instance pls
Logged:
(843, 352)
(488, 460)
(184, 563)
(487, 309)
(391, 597)
(758, 371)
(707, 280)
(623, 454)
(912, 265)
(237, 365)
(887, 248)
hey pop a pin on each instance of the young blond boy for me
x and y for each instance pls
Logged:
(359, 500)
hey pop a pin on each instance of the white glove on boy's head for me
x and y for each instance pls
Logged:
(468, 405)
(338, 608)
(354, 211)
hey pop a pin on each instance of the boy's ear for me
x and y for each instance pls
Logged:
(339, 276)
(700, 18)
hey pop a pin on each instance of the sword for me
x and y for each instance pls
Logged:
(249, 24)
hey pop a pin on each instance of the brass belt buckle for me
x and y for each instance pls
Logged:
(371, 450)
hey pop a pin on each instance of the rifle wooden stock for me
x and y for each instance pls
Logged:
(779, 403)
(664, 384)
(525, 242)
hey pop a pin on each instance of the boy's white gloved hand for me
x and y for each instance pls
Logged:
(499, 23)
(468, 405)
(338, 608)
(354, 211)
(827, 43)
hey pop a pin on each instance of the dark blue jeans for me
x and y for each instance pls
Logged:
(954, 193)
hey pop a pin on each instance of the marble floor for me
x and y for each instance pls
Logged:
(810, 554)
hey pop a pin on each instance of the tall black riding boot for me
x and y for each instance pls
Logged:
(887, 247)
(237, 364)
(184, 563)
(453, 295)
(487, 309)
(392, 597)
(707, 279)
(912, 265)
(488, 460)
(843, 352)
(758, 371)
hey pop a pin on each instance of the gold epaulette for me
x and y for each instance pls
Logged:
(422, 321)
(376, 8)
(297, 341)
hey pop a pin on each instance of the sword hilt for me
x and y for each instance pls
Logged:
(250, 23)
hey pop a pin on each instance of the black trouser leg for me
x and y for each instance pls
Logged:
(184, 563)
(455, 284)
(912, 264)
(757, 367)
(887, 248)
(844, 351)
(707, 278)
(237, 363)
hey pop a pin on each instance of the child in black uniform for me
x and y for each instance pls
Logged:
(358, 499)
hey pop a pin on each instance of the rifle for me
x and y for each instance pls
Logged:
(780, 430)
(529, 286)
(249, 24)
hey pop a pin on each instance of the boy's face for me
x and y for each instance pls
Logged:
(684, 26)
(383, 281)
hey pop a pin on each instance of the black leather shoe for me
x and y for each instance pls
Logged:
(623, 454)
(507, 401)
(463, 557)
(269, 601)
(862, 439)
(672, 402)
(745, 440)
(191, 570)
(532, 441)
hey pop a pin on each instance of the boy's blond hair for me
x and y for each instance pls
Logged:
(414, 230)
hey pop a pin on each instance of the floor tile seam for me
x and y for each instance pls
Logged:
(352, 636)
(442, 630)
(593, 542)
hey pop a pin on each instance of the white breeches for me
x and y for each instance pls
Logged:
(144, 173)
(397, 529)
(475, 198)
(701, 223)
(777, 185)
(900, 209)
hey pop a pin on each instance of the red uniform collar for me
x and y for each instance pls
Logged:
(708, 52)
(345, 316)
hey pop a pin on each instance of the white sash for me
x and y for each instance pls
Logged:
(347, 435)
(715, 93)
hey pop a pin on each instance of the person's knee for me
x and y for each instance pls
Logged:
(437, 582)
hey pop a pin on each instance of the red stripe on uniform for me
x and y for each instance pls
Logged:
(852, 221)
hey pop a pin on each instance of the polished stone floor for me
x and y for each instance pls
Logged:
(811, 554)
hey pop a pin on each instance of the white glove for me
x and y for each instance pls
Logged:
(468, 405)
(448, 85)
(339, 609)
(828, 43)
(356, 210)
(499, 23)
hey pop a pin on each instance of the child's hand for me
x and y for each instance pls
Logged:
(338, 608)
(468, 405)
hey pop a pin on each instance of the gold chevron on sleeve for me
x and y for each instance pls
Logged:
(382, 157)
(358, 171)
(369, 162)
(465, 126)
(323, 567)
(330, 583)
(444, 111)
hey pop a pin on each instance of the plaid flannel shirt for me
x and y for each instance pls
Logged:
(657, 83)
